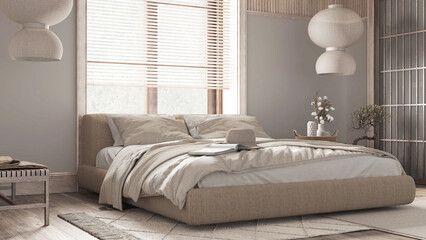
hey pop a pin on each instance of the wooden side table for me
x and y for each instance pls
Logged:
(26, 175)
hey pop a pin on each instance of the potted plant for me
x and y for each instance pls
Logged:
(322, 108)
(368, 117)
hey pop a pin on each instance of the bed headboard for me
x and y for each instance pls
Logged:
(94, 136)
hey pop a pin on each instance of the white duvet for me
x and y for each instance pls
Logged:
(346, 167)
(165, 169)
(339, 168)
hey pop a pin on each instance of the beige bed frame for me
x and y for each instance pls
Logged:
(229, 204)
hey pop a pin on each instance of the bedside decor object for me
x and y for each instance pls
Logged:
(335, 29)
(321, 132)
(322, 108)
(311, 129)
(331, 138)
(366, 118)
(35, 42)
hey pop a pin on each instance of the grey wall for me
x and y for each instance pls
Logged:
(282, 78)
(38, 102)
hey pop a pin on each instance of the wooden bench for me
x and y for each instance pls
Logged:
(26, 175)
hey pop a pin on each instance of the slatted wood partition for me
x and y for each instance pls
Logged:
(401, 82)
(301, 8)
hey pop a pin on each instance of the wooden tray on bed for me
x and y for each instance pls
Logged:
(331, 138)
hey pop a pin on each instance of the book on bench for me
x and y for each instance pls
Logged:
(218, 149)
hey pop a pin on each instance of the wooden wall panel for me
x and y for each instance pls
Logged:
(301, 8)
(401, 82)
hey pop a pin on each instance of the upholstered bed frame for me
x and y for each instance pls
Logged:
(229, 204)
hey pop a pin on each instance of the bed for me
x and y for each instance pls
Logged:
(207, 205)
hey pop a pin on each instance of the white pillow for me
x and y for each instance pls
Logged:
(142, 130)
(193, 120)
(234, 121)
(118, 141)
(218, 127)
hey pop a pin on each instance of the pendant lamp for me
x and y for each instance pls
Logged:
(335, 29)
(35, 42)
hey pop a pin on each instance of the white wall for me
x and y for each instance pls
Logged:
(38, 102)
(282, 78)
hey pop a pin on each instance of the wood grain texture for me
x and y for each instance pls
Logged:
(367, 235)
(81, 69)
(58, 183)
(301, 8)
(421, 192)
(242, 56)
(372, 58)
(28, 224)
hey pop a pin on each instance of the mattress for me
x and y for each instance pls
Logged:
(339, 168)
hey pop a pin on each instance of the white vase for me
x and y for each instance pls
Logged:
(311, 129)
(321, 130)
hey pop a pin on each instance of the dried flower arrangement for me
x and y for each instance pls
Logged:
(367, 117)
(322, 108)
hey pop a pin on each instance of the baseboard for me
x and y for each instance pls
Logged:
(61, 182)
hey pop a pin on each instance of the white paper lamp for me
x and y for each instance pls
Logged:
(35, 42)
(336, 62)
(49, 12)
(335, 29)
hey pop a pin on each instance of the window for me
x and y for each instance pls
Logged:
(162, 56)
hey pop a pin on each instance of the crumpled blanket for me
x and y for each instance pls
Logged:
(9, 163)
(166, 168)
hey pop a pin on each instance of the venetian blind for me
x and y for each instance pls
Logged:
(159, 43)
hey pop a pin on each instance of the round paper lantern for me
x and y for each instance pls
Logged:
(35, 44)
(49, 12)
(335, 27)
(335, 62)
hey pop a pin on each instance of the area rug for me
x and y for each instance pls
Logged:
(408, 220)
(137, 223)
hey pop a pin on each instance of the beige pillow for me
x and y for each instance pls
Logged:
(143, 130)
(114, 130)
(218, 127)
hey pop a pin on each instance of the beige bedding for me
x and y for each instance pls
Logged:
(141, 130)
(219, 126)
(165, 169)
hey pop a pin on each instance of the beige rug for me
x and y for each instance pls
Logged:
(407, 220)
(134, 222)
